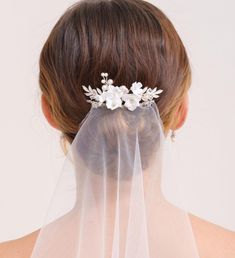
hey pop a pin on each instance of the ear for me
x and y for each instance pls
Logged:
(182, 112)
(47, 113)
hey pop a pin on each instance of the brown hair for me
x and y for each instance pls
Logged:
(132, 40)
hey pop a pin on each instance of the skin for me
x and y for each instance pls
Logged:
(212, 240)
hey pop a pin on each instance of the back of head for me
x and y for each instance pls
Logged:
(113, 187)
(132, 40)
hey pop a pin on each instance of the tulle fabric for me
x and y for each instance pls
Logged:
(108, 202)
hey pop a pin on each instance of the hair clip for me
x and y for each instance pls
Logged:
(114, 96)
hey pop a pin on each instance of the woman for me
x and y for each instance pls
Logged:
(134, 41)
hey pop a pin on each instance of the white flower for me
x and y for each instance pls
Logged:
(115, 90)
(136, 88)
(113, 97)
(124, 89)
(113, 101)
(108, 93)
(131, 101)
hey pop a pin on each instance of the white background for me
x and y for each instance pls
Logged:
(31, 157)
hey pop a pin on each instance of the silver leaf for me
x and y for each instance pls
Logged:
(159, 91)
(85, 88)
(99, 90)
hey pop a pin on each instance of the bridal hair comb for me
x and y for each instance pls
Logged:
(113, 96)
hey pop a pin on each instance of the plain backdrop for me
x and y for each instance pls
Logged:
(31, 157)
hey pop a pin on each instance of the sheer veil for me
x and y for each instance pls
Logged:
(108, 202)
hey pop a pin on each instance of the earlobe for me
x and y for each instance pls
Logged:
(47, 113)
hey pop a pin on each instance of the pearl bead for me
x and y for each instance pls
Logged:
(110, 81)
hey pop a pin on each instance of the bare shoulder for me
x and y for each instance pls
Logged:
(213, 241)
(23, 247)
(20, 247)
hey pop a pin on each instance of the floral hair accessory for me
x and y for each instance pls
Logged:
(114, 96)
